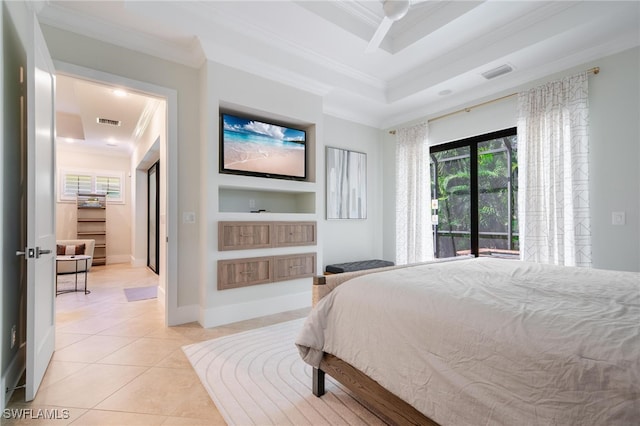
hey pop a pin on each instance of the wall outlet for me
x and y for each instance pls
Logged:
(252, 203)
(13, 336)
(188, 217)
(618, 218)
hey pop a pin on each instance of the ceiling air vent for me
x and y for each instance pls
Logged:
(496, 72)
(109, 122)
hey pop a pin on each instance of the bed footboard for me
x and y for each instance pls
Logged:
(368, 392)
(372, 395)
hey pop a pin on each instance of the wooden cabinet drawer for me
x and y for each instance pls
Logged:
(243, 235)
(294, 266)
(294, 234)
(244, 272)
(256, 235)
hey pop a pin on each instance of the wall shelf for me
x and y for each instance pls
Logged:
(246, 200)
(92, 223)
(266, 226)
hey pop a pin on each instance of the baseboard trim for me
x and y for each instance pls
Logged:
(227, 314)
(118, 258)
(138, 262)
(162, 294)
(182, 314)
(12, 375)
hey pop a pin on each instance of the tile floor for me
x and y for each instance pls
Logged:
(116, 363)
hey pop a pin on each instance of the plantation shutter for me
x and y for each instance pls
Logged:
(75, 183)
(109, 185)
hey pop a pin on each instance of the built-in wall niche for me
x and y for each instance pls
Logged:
(240, 200)
(267, 119)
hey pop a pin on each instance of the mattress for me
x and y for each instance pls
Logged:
(491, 341)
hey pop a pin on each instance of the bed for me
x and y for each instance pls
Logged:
(481, 341)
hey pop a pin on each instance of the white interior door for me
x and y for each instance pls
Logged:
(38, 116)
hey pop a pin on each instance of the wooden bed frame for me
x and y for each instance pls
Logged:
(370, 393)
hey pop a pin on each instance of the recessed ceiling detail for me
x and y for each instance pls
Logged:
(88, 110)
(69, 126)
(319, 46)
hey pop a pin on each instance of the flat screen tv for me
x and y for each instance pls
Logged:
(258, 148)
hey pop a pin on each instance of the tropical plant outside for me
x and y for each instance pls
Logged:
(497, 197)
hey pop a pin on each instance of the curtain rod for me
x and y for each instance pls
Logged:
(594, 70)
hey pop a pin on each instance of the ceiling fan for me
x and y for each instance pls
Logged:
(394, 10)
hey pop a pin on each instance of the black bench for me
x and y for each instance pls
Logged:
(361, 265)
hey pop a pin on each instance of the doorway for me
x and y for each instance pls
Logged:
(474, 190)
(163, 149)
(153, 217)
(102, 131)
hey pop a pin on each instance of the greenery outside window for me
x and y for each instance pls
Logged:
(474, 186)
(73, 182)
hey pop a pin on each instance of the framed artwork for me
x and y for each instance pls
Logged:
(346, 184)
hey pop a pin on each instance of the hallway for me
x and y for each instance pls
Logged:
(117, 364)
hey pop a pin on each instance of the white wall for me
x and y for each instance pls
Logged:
(146, 154)
(201, 92)
(614, 101)
(348, 240)
(93, 54)
(198, 163)
(12, 206)
(614, 97)
(250, 94)
(118, 215)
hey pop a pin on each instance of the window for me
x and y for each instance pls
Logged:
(474, 191)
(73, 182)
(109, 185)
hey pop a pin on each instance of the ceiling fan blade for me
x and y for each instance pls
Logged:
(377, 38)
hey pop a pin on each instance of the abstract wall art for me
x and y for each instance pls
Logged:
(346, 184)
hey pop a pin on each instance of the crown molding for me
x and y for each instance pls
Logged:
(234, 23)
(189, 53)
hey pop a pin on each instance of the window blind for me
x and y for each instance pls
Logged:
(109, 185)
(75, 183)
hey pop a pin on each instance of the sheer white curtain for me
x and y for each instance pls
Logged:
(414, 238)
(553, 196)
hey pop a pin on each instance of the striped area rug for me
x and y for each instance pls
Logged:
(258, 378)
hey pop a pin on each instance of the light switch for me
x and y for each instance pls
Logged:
(188, 217)
(618, 218)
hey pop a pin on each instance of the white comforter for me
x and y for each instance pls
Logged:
(491, 342)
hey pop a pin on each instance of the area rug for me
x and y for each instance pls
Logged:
(141, 293)
(258, 378)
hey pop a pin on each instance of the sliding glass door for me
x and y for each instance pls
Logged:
(497, 197)
(474, 190)
(451, 187)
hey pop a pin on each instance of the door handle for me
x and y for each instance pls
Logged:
(31, 253)
(41, 251)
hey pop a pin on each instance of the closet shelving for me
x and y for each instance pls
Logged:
(92, 223)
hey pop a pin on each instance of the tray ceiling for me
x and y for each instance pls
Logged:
(430, 61)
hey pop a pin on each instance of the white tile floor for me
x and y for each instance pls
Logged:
(117, 364)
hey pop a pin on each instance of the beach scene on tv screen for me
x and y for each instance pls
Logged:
(254, 146)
